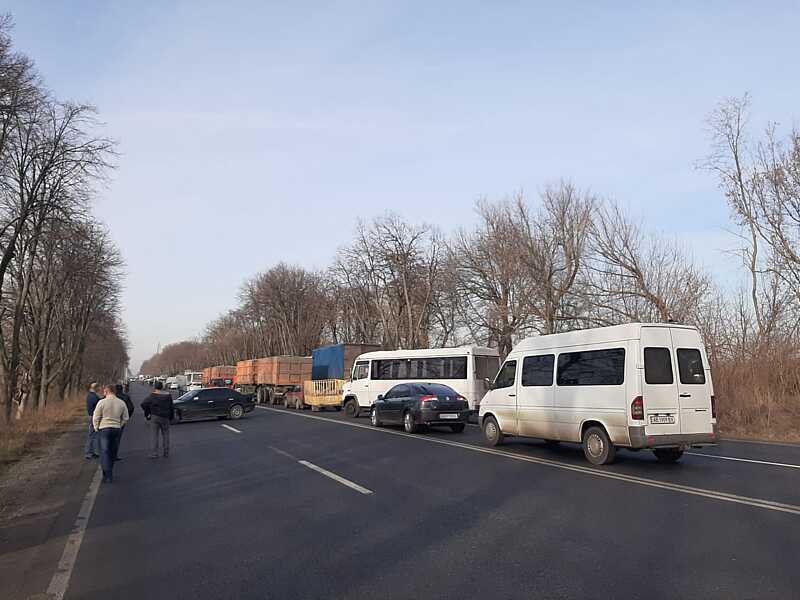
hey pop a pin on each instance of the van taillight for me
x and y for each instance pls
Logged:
(713, 408)
(637, 409)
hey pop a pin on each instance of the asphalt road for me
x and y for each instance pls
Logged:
(302, 505)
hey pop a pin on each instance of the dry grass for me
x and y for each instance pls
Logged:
(759, 397)
(36, 428)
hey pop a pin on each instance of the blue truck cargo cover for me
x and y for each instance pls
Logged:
(328, 362)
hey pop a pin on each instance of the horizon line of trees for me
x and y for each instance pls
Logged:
(60, 271)
(567, 260)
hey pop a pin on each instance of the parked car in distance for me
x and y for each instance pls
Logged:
(416, 405)
(209, 403)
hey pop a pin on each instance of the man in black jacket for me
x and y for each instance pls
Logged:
(127, 400)
(158, 410)
(92, 449)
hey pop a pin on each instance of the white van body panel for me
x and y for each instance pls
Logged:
(366, 389)
(677, 412)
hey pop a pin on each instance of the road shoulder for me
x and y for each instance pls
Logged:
(39, 498)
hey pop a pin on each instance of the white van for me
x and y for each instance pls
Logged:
(636, 386)
(464, 369)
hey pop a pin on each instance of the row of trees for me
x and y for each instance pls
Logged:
(565, 260)
(59, 269)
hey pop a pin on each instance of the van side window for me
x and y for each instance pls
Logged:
(593, 367)
(690, 366)
(538, 370)
(657, 366)
(505, 378)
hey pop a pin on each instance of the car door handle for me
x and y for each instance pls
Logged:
(685, 395)
(512, 395)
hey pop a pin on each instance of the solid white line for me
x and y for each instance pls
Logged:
(233, 429)
(593, 471)
(335, 477)
(747, 460)
(60, 581)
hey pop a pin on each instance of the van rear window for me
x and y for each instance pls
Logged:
(658, 366)
(594, 367)
(690, 366)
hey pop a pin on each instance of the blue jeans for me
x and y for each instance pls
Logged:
(109, 445)
(92, 441)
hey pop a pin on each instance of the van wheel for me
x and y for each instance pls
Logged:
(351, 409)
(492, 432)
(597, 446)
(668, 455)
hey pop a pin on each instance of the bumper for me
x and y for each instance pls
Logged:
(640, 440)
(431, 417)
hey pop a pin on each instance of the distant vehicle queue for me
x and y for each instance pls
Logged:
(636, 386)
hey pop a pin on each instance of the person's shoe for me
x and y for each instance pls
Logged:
(166, 454)
(152, 456)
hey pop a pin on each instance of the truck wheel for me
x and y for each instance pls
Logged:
(597, 446)
(351, 409)
(492, 432)
(668, 455)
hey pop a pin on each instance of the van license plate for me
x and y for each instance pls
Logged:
(662, 419)
(448, 416)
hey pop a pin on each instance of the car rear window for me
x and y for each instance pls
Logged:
(436, 389)
(690, 366)
(657, 366)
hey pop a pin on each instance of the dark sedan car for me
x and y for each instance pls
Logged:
(212, 402)
(416, 405)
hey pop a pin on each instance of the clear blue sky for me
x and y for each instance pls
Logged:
(256, 132)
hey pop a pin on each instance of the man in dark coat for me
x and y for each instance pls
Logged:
(127, 400)
(159, 411)
(92, 449)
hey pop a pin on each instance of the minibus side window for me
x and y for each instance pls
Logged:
(657, 366)
(538, 370)
(505, 378)
(592, 367)
(690, 366)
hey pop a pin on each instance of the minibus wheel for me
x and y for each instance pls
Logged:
(492, 432)
(668, 455)
(597, 446)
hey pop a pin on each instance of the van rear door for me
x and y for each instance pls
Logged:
(659, 383)
(694, 385)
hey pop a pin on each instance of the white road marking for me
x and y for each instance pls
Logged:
(60, 581)
(747, 460)
(593, 471)
(233, 429)
(335, 477)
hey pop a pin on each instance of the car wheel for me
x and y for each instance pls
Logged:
(597, 446)
(457, 427)
(373, 417)
(408, 423)
(351, 409)
(668, 455)
(236, 411)
(492, 432)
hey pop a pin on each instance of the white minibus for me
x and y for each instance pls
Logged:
(465, 369)
(637, 386)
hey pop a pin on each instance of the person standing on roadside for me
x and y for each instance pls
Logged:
(129, 404)
(159, 411)
(92, 441)
(110, 416)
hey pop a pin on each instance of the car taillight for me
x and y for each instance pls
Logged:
(427, 401)
(637, 409)
(713, 407)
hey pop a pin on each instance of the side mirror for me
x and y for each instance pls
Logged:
(195, 398)
(380, 396)
(489, 383)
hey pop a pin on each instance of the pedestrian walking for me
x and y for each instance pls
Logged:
(92, 449)
(110, 416)
(123, 395)
(158, 410)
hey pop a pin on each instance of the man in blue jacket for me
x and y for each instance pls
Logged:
(93, 441)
